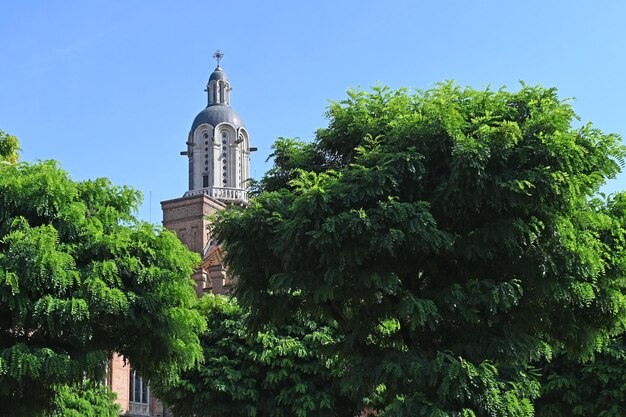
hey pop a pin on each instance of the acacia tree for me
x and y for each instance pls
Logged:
(594, 386)
(81, 278)
(87, 399)
(573, 388)
(450, 237)
(9, 147)
(278, 371)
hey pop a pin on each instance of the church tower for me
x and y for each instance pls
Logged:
(218, 146)
(218, 151)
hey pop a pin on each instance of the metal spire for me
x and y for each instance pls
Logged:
(218, 55)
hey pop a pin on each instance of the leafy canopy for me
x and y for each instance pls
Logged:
(450, 236)
(86, 399)
(592, 387)
(9, 146)
(579, 389)
(81, 278)
(274, 372)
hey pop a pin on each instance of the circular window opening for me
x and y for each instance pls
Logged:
(206, 135)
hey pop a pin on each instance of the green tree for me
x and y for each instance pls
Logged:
(594, 386)
(9, 146)
(290, 157)
(449, 234)
(278, 371)
(81, 278)
(87, 399)
(579, 389)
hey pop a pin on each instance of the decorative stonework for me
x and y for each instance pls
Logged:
(230, 195)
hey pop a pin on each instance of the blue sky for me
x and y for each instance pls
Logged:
(110, 88)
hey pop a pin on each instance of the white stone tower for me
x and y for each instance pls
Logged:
(218, 146)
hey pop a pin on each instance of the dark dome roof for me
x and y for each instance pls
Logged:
(216, 114)
(218, 74)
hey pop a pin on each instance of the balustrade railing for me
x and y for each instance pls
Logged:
(138, 409)
(236, 195)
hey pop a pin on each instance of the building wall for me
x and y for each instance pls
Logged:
(120, 379)
(187, 217)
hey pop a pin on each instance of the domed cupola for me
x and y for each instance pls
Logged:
(218, 74)
(218, 147)
(218, 88)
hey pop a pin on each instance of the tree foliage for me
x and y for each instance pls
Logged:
(9, 146)
(278, 371)
(87, 399)
(290, 157)
(81, 278)
(594, 386)
(451, 236)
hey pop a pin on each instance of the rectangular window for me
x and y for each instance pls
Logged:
(205, 181)
(107, 374)
(139, 395)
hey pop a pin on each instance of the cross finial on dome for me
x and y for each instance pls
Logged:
(218, 55)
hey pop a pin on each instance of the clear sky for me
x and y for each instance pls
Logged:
(110, 88)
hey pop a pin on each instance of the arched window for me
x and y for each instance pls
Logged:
(222, 92)
(225, 161)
